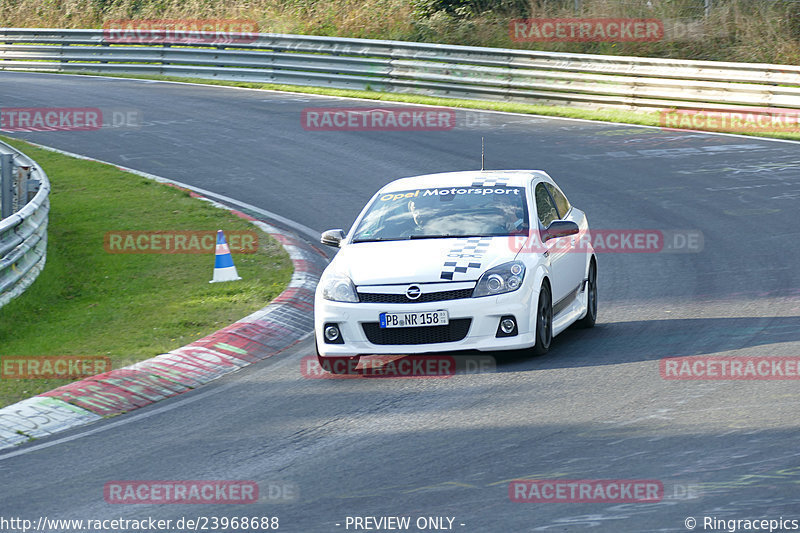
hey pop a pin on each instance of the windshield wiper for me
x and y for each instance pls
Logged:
(414, 237)
(377, 239)
(445, 236)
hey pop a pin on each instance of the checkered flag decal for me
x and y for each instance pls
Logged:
(465, 254)
(496, 181)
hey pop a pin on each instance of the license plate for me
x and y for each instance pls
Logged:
(413, 320)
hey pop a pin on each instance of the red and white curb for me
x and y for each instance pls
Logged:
(284, 322)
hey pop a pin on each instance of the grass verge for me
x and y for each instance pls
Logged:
(129, 307)
(605, 115)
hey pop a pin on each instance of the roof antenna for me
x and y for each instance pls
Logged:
(481, 153)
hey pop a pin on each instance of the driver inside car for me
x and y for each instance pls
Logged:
(419, 217)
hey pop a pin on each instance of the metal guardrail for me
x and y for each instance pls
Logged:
(23, 228)
(448, 71)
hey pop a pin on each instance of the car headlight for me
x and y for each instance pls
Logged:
(338, 288)
(500, 279)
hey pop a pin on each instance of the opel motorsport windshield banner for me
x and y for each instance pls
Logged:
(452, 191)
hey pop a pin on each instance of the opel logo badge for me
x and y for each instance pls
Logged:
(413, 292)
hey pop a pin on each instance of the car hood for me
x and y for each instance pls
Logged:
(424, 260)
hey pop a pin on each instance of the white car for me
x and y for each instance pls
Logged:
(474, 260)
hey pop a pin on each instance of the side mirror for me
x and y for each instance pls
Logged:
(334, 237)
(559, 228)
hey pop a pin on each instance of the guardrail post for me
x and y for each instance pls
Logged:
(707, 6)
(6, 185)
(32, 188)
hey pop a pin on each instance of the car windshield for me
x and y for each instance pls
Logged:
(444, 212)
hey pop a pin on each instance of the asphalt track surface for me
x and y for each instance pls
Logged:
(595, 407)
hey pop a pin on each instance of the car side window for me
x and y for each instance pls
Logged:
(545, 208)
(561, 201)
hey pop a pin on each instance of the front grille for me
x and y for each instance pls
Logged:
(456, 330)
(439, 296)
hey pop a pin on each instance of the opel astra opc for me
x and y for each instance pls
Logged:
(476, 260)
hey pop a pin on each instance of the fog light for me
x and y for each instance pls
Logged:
(507, 327)
(332, 334)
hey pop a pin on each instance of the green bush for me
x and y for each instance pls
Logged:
(462, 9)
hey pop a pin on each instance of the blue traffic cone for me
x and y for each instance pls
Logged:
(224, 269)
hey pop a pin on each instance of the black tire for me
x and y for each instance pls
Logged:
(338, 365)
(591, 304)
(544, 321)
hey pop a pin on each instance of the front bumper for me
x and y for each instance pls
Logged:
(483, 313)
